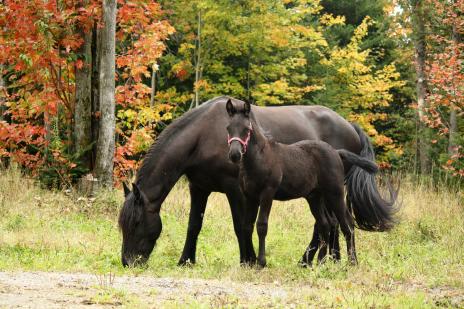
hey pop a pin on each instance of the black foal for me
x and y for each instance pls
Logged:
(270, 170)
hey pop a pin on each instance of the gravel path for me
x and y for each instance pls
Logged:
(74, 290)
(70, 290)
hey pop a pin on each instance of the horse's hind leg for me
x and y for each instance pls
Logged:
(335, 202)
(307, 259)
(334, 243)
(198, 199)
(322, 226)
(310, 252)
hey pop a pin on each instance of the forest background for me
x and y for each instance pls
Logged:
(394, 67)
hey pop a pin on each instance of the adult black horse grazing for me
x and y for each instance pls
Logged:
(196, 145)
(270, 170)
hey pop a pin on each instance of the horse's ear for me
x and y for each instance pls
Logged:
(230, 108)
(126, 189)
(136, 191)
(247, 108)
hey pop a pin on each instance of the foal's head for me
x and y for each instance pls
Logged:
(141, 226)
(239, 129)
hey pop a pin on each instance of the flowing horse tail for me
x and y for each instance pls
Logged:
(370, 210)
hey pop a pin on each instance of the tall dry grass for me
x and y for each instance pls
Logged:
(55, 230)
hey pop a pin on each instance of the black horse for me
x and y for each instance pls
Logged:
(270, 170)
(195, 145)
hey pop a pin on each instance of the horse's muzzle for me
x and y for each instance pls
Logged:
(134, 261)
(124, 262)
(235, 152)
(235, 156)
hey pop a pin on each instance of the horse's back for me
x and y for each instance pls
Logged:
(290, 124)
(210, 167)
(324, 160)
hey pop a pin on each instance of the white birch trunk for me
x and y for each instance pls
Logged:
(421, 83)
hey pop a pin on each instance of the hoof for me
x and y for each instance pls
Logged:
(353, 262)
(185, 263)
(262, 264)
(303, 264)
(248, 263)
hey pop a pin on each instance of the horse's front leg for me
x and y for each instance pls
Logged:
(249, 218)
(198, 198)
(262, 225)
(236, 202)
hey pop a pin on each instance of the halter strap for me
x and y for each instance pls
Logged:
(241, 141)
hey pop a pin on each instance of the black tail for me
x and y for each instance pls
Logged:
(367, 165)
(371, 211)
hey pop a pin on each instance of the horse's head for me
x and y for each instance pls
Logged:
(239, 129)
(141, 226)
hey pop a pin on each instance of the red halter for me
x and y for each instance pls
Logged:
(241, 141)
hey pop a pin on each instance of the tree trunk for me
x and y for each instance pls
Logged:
(95, 90)
(83, 107)
(453, 132)
(2, 92)
(105, 145)
(153, 86)
(421, 84)
(48, 134)
(248, 80)
(198, 62)
(453, 129)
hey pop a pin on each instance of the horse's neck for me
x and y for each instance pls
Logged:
(257, 136)
(164, 169)
(255, 153)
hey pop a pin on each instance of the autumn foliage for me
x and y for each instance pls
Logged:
(446, 78)
(347, 55)
(38, 58)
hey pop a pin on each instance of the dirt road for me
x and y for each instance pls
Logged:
(59, 290)
(71, 290)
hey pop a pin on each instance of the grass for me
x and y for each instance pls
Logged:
(58, 231)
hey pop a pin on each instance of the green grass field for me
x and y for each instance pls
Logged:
(418, 264)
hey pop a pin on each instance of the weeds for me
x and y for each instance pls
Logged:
(105, 280)
(51, 230)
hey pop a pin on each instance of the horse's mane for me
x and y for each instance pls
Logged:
(129, 215)
(170, 132)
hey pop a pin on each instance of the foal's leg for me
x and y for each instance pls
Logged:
(262, 225)
(198, 199)
(249, 218)
(308, 255)
(236, 202)
(337, 205)
(334, 243)
(322, 225)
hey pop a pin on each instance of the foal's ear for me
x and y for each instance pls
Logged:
(126, 189)
(247, 108)
(230, 108)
